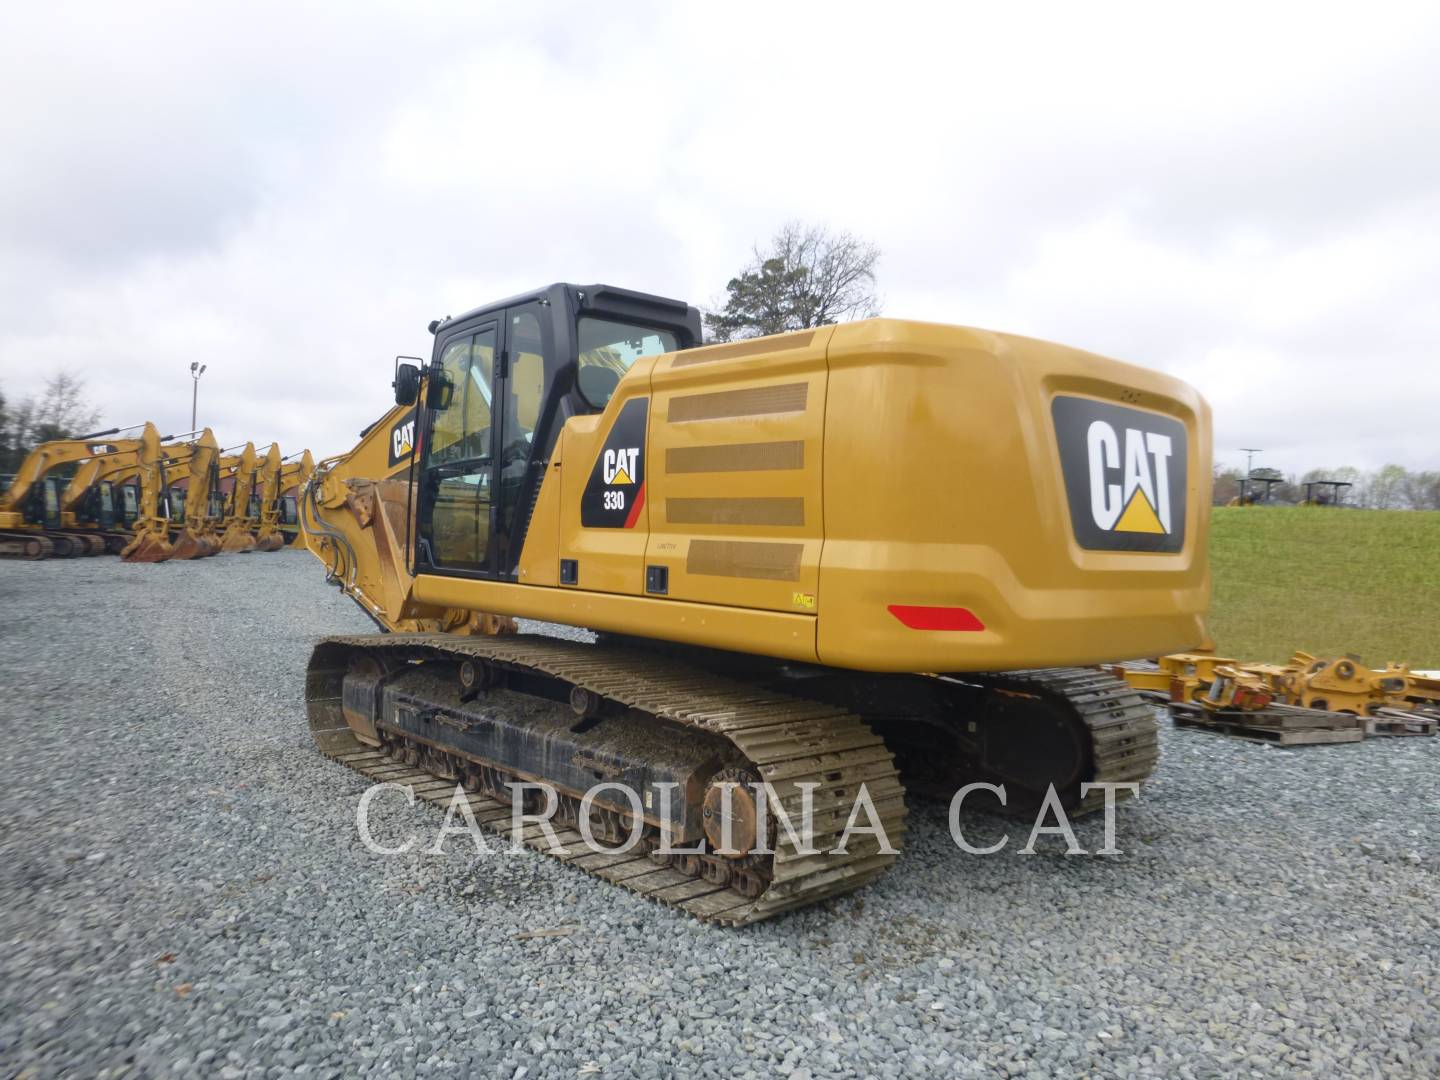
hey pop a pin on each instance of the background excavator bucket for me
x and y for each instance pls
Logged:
(190, 546)
(147, 547)
(237, 541)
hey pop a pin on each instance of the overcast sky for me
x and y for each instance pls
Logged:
(1248, 197)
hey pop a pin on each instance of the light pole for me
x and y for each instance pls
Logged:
(196, 370)
(1246, 450)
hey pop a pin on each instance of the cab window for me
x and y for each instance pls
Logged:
(461, 430)
(608, 349)
(527, 378)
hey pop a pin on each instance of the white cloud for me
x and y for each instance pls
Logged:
(1248, 196)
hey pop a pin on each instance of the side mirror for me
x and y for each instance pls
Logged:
(406, 384)
(438, 388)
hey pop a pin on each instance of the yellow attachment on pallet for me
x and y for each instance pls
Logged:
(1233, 689)
(1345, 684)
(1181, 676)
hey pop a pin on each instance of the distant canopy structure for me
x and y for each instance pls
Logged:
(1325, 492)
(1250, 488)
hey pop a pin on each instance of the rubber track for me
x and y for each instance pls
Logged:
(14, 545)
(789, 741)
(1124, 736)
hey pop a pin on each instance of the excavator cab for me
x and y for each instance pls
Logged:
(129, 503)
(97, 507)
(104, 505)
(502, 382)
(44, 508)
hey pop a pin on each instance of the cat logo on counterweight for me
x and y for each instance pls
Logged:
(1124, 473)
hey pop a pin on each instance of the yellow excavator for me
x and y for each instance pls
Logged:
(151, 540)
(195, 506)
(824, 567)
(37, 519)
(294, 474)
(92, 498)
(268, 536)
(104, 494)
(241, 512)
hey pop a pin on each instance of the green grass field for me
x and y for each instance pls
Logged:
(1326, 581)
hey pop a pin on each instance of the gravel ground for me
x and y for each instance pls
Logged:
(182, 892)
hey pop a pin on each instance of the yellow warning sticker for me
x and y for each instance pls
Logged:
(803, 600)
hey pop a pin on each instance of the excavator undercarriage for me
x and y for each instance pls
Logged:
(484, 713)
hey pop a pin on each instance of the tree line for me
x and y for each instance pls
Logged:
(60, 411)
(1391, 487)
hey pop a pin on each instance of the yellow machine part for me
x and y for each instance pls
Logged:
(353, 518)
(293, 477)
(1339, 684)
(152, 532)
(267, 485)
(239, 527)
(197, 463)
(880, 495)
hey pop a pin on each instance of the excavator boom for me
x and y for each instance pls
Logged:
(267, 483)
(196, 537)
(151, 542)
(241, 518)
(293, 477)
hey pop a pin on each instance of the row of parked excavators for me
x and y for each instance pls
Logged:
(150, 497)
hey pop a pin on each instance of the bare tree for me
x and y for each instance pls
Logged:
(1422, 490)
(1226, 484)
(1385, 489)
(808, 276)
(61, 411)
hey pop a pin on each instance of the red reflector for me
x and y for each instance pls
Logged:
(936, 618)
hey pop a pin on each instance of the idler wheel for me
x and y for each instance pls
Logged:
(742, 813)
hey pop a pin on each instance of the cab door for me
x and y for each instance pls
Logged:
(456, 511)
(50, 516)
(522, 384)
(105, 512)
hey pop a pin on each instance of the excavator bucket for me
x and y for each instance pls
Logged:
(147, 547)
(237, 541)
(190, 546)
